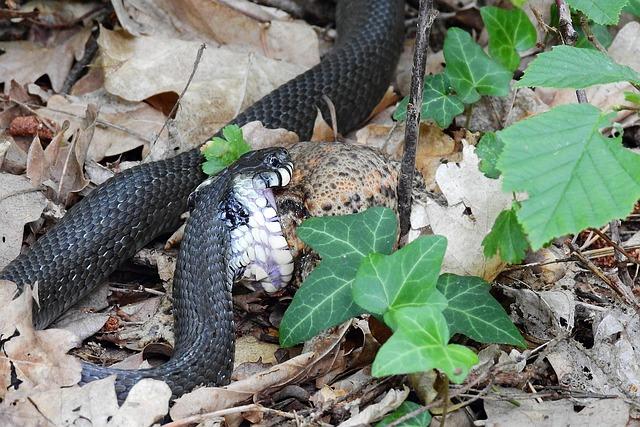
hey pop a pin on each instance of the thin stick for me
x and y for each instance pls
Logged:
(426, 16)
(175, 106)
(615, 230)
(623, 272)
(569, 37)
(194, 419)
(620, 291)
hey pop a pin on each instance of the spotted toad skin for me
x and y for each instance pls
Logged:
(336, 178)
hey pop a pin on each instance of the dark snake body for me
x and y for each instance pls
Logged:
(128, 211)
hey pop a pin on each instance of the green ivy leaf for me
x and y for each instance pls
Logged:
(325, 298)
(510, 32)
(605, 12)
(488, 150)
(575, 177)
(221, 152)
(471, 71)
(407, 277)
(405, 408)
(420, 344)
(571, 67)
(473, 312)
(506, 238)
(439, 102)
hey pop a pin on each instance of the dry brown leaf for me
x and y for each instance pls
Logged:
(259, 136)
(129, 125)
(377, 411)
(226, 82)
(26, 61)
(31, 360)
(465, 187)
(61, 165)
(20, 203)
(249, 349)
(209, 399)
(96, 404)
(214, 22)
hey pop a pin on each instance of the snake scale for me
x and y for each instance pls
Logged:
(128, 211)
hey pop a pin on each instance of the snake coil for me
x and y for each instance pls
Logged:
(132, 208)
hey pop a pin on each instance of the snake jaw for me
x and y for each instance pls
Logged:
(261, 253)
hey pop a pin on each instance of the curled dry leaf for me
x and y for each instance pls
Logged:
(31, 360)
(61, 165)
(225, 83)
(474, 202)
(122, 126)
(20, 203)
(241, 25)
(377, 411)
(26, 61)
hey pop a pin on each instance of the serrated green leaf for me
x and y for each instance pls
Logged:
(473, 312)
(233, 134)
(407, 277)
(488, 150)
(405, 408)
(420, 344)
(633, 7)
(575, 177)
(605, 12)
(510, 32)
(221, 152)
(471, 71)
(506, 238)
(439, 102)
(213, 166)
(325, 298)
(571, 67)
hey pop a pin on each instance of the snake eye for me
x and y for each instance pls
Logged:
(273, 161)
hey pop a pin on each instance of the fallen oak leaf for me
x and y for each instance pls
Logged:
(20, 203)
(96, 403)
(31, 360)
(210, 399)
(25, 61)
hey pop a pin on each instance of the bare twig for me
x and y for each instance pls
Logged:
(620, 255)
(614, 240)
(426, 16)
(623, 293)
(195, 419)
(569, 37)
(584, 24)
(175, 106)
(78, 68)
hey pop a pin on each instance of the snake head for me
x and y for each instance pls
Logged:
(268, 168)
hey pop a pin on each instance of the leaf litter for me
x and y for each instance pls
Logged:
(591, 348)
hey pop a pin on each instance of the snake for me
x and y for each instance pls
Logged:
(233, 228)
